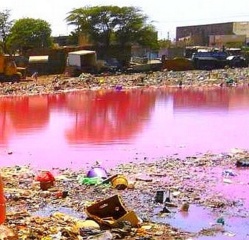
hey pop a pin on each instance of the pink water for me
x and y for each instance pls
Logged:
(74, 129)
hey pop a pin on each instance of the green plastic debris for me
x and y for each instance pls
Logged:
(89, 181)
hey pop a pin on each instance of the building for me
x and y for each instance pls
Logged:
(217, 34)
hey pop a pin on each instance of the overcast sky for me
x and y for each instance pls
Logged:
(164, 15)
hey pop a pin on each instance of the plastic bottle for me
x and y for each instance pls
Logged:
(2, 203)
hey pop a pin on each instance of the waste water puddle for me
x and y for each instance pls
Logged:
(194, 220)
(50, 210)
(202, 222)
(234, 228)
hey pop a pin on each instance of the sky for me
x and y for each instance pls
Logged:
(164, 15)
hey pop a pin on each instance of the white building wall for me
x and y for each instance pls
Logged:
(241, 28)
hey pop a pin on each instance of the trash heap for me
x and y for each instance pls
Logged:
(61, 83)
(120, 203)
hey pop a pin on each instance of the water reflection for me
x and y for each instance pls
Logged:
(22, 115)
(205, 99)
(134, 124)
(201, 99)
(102, 117)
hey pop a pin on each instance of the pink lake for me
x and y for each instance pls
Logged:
(76, 129)
(71, 130)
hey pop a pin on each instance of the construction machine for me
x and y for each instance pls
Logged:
(9, 72)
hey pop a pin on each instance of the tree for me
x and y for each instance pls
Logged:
(106, 24)
(93, 22)
(164, 43)
(28, 33)
(5, 26)
(147, 36)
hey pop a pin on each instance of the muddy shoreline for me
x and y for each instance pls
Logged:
(36, 214)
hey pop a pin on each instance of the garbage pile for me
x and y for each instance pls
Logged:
(81, 206)
(61, 83)
(120, 203)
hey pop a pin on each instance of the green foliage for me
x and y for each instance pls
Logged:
(148, 37)
(245, 49)
(5, 26)
(28, 33)
(234, 44)
(73, 39)
(111, 24)
(164, 43)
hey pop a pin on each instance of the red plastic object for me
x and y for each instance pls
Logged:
(45, 176)
(2, 203)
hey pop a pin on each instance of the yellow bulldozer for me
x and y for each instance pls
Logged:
(9, 72)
